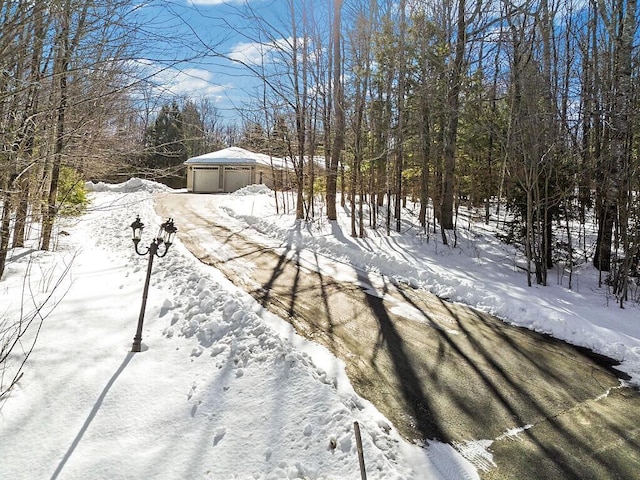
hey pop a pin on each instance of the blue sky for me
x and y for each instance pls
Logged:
(182, 42)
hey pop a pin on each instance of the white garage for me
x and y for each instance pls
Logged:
(232, 168)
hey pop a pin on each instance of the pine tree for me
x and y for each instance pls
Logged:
(165, 139)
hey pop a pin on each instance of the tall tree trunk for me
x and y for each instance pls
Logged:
(425, 144)
(29, 125)
(402, 81)
(453, 104)
(361, 57)
(338, 112)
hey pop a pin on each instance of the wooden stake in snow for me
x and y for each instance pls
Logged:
(363, 471)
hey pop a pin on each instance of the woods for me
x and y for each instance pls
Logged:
(526, 107)
(61, 105)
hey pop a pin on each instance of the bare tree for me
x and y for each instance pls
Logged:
(337, 106)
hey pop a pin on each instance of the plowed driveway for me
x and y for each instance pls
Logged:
(457, 375)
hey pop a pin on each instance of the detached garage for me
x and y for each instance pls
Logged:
(231, 169)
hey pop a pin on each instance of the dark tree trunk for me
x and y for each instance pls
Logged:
(453, 103)
(602, 257)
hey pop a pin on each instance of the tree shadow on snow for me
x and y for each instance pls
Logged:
(91, 416)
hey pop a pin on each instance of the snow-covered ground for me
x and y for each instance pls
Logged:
(223, 389)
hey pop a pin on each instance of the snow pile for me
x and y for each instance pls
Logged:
(254, 189)
(222, 389)
(307, 416)
(131, 185)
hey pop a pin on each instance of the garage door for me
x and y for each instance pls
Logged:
(236, 178)
(206, 179)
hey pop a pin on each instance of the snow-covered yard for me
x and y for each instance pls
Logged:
(224, 389)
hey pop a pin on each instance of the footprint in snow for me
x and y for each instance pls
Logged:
(220, 433)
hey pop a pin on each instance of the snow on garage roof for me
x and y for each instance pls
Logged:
(237, 156)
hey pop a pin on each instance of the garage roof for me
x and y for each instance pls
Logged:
(236, 156)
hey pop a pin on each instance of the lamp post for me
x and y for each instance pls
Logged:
(166, 234)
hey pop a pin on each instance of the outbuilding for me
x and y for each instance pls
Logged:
(232, 168)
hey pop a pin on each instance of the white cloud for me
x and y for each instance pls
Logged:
(255, 53)
(191, 82)
(251, 53)
(194, 82)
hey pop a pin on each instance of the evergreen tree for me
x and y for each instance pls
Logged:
(193, 130)
(165, 139)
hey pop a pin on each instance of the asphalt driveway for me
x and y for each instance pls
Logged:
(548, 409)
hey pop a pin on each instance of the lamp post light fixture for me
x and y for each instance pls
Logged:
(166, 234)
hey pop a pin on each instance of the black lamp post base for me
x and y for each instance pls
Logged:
(138, 346)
